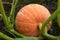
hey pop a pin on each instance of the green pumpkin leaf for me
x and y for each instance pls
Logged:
(27, 38)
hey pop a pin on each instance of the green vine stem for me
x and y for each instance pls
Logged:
(58, 6)
(5, 36)
(6, 22)
(2, 11)
(18, 34)
(58, 20)
(58, 17)
(11, 16)
(43, 31)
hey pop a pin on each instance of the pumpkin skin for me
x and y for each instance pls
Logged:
(28, 18)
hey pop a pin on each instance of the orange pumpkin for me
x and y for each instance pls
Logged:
(28, 18)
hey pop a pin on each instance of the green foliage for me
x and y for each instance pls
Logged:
(27, 38)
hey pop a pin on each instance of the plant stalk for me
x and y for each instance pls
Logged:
(58, 5)
(58, 17)
(2, 11)
(6, 22)
(3, 15)
(11, 16)
(5, 36)
(43, 31)
(15, 32)
(45, 34)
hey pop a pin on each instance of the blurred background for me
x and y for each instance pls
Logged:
(50, 4)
